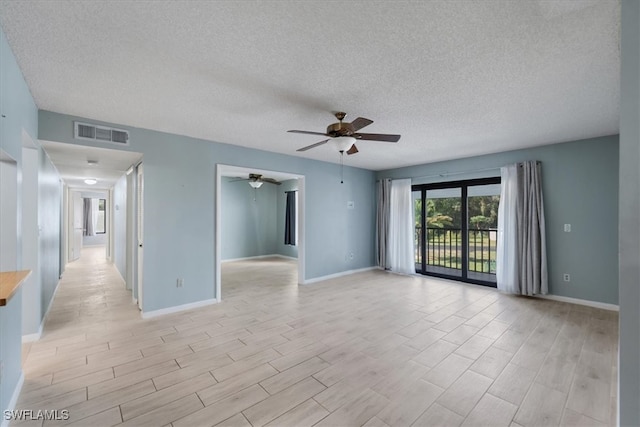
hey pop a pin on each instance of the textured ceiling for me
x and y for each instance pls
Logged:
(455, 78)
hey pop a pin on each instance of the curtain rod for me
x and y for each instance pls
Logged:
(291, 191)
(446, 174)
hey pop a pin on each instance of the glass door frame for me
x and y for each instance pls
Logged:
(464, 213)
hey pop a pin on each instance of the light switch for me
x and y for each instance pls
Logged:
(351, 205)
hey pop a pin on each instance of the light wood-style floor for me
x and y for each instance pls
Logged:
(370, 349)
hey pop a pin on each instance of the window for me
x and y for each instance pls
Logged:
(101, 222)
(457, 229)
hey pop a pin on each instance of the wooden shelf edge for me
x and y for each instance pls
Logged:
(10, 281)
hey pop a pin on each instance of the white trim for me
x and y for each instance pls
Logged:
(335, 275)
(177, 308)
(578, 301)
(222, 169)
(14, 399)
(258, 257)
(36, 336)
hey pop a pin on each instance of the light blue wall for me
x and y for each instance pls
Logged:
(18, 112)
(580, 185)
(248, 219)
(119, 228)
(179, 205)
(49, 200)
(10, 347)
(281, 248)
(629, 377)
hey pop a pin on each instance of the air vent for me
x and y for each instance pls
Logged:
(100, 133)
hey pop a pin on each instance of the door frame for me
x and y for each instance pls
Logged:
(221, 170)
(463, 185)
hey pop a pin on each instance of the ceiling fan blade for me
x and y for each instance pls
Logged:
(238, 179)
(359, 123)
(317, 144)
(307, 132)
(377, 137)
(353, 149)
(270, 181)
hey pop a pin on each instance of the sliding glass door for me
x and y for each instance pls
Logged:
(456, 229)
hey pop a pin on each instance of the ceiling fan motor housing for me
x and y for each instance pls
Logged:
(340, 129)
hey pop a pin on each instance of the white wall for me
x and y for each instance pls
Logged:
(119, 211)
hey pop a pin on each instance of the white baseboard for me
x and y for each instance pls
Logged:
(177, 308)
(257, 257)
(36, 336)
(335, 275)
(14, 399)
(578, 301)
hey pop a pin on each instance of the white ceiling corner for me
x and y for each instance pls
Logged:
(455, 78)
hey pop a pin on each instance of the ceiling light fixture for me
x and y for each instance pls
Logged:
(344, 142)
(255, 184)
(91, 181)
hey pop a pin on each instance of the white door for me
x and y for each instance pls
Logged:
(140, 233)
(75, 230)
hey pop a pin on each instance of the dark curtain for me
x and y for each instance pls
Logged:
(87, 226)
(290, 219)
(382, 222)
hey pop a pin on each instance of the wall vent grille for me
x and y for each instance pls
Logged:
(100, 133)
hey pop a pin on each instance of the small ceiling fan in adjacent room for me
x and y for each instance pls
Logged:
(256, 180)
(345, 134)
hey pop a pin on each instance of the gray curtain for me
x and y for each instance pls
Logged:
(290, 219)
(521, 251)
(382, 221)
(87, 226)
(531, 230)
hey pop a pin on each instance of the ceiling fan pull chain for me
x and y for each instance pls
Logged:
(342, 167)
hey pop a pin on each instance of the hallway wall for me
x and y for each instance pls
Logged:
(20, 114)
(179, 202)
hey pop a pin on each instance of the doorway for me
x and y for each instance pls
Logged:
(250, 196)
(456, 229)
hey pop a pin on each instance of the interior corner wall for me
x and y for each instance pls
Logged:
(580, 187)
(248, 219)
(629, 227)
(282, 249)
(119, 222)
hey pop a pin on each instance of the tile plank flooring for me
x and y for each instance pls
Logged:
(371, 349)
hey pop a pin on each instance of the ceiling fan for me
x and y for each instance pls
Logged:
(256, 180)
(346, 134)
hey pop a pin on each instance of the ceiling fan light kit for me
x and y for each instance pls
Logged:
(345, 134)
(255, 184)
(344, 143)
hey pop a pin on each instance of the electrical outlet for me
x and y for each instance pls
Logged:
(566, 277)
(351, 256)
(567, 228)
(179, 283)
